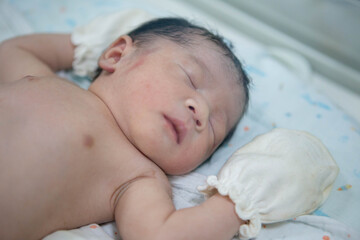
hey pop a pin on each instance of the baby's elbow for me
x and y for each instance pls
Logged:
(165, 234)
(144, 233)
(141, 231)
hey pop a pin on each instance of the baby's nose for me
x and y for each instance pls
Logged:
(200, 112)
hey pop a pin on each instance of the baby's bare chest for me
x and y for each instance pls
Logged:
(59, 158)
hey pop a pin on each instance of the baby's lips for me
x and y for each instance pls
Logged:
(181, 130)
(179, 127)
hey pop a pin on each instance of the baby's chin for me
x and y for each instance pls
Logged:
(179, 166)
(177, 172)
(172, 161)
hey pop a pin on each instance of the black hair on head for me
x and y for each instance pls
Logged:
(182, 32)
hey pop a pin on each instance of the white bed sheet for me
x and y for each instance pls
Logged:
(280, 97)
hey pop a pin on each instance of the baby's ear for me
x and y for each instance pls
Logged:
(111, 56)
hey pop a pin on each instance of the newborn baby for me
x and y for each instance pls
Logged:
(166, 96)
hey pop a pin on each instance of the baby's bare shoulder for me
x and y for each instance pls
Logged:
(37, 89)
(51, 96)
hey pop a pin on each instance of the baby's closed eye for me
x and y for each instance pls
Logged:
(188, 77)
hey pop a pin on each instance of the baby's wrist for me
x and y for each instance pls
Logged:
(224, 203)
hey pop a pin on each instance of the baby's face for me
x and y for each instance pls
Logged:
(176, 104)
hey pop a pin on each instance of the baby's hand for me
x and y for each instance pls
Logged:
(277, 176)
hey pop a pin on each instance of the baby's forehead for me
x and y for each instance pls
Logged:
(211, 58)
(202, 56)
(196, 45)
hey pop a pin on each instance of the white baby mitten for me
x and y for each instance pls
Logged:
(277, 176)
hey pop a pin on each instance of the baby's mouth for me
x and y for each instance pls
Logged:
(178, 127)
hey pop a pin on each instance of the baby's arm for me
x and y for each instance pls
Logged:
(37, 55)
(146, 211)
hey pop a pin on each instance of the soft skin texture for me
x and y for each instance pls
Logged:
(71, 157)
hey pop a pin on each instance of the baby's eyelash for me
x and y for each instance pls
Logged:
(213, 130)
(188, 76)
(191, 81)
